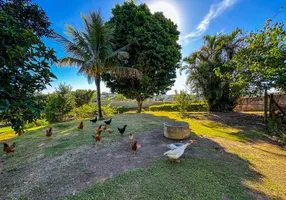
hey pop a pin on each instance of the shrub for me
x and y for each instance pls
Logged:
(193, 107)
(84, 111)
(183, 100)
(39, 122)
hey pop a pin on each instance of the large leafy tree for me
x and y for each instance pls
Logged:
(24, 61)
(211, 70)
(92, 52)
(153, 50)
(263, 59)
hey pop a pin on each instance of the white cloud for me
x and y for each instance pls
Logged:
(215, 10)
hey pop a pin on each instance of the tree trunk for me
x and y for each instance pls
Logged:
(139, 108)
(139, 99)
(99, 111)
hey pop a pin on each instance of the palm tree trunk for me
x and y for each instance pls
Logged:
(98, 94)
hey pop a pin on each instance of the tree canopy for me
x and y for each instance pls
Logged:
(263, 59)
(153, 50)
(83, 97)
(24, 62)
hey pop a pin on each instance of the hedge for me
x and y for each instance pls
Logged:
(193, 107)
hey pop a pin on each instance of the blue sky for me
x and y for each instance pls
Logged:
(194, 18)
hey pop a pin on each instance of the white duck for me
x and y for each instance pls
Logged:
(176, 153)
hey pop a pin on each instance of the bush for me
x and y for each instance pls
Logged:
(84, 111)
(193, 107)
(39, 122)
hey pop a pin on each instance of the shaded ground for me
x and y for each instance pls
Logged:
(215, 168)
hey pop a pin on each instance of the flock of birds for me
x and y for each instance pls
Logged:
(175, 152)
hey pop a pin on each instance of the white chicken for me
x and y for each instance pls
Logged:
(175, 154)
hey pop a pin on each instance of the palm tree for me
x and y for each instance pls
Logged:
(212, 72)
(92, 52)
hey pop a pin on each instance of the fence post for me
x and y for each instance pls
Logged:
(265, 105)
(271, 108)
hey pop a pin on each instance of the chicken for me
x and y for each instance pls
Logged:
(134, 147)
(105, 127)
(176, 153)
(80, 126)
(98, 130)
(131, 138)
(108, 122)
(9, 149)
(97, 137)
(94, 120)
(122, 130)
(109, 131)
(49, 132)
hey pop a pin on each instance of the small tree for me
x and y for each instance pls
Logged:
(83, 97)
(60, 103)
(183, 99)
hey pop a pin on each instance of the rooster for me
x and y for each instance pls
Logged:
(80, 126)
(108, 122)
(134, 147)
(49, 132)
(9, 149)
(94, 120)
(122, 130)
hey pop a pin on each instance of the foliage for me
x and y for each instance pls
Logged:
(37, 123)
(183, 99)
(91, 51)
(263, 59)
(193, 107)
(84, 111)
(120, 97)
(83, 97)
(211, 70)
(153, 50)
(59, 103)
(25, 61)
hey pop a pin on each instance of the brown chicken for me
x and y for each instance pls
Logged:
(98, 130)
(80, 126)
(134, 147)
(9, 149)
(49, 132)
(105, 127)
(109, 131)
(97, 137)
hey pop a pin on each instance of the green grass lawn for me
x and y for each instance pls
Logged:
(248, 167)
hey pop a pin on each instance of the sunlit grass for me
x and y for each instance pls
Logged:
(204, 127)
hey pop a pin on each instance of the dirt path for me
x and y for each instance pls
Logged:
(67, 174)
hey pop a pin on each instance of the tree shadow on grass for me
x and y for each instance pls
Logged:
(206, 171)
(243, 127)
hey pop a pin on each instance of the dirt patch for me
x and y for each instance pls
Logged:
(52, 177)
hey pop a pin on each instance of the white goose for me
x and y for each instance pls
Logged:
(175, 154)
